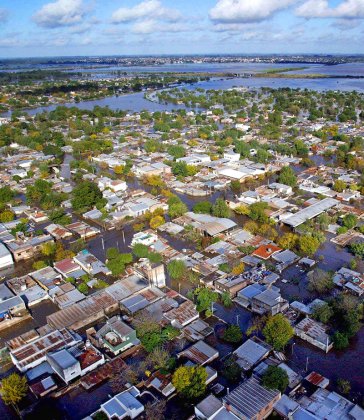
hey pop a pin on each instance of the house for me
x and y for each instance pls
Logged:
(212, 408)
(30, 349)
(161, 382)
(315, 333)
(28, 289)
(116, 336)
(251, 353)
(266, 251)
(231, 285)
(269, 302)
(200, 353)
(65, 295)
(83, 229)
(86, 312)
(68, 268)
(47, 278)
(75, 361)
(324, 404)
(90, 263)
(58, 232)
(251, 401)
(195, 159)
(350, 280)
(6, 260)
(209, 225)
(123, 405)
(183, 315)
(11, 306)
(24, 248)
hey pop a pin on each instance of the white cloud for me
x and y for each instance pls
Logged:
(148, 9)
(3, 15)
(244, 11)
(348, 9)
(153, 26)
(60, 13)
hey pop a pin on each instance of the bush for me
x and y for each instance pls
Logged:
(340, 340)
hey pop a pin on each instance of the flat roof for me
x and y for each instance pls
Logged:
(310, 212)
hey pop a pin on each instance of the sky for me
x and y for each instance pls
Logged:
(37, 28)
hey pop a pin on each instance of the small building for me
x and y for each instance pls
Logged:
(315, 333)
(116, 336)
(11, 306)
(75, 361)
(90, 263)
(251, 353)
(251, 401)
(6, 260)
(200, 353)
(28, 289)
(183, 315)
(123, 405)
(212, 408)
(269, 302)
(231, 285)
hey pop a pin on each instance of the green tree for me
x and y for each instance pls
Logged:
(340, 340)
(233, 334)
(350, 221)
(308, 244)
(176, 207)
(287, 176)
(357, 249)
(322, 312)
(275, 378)
(205, 297)
(86, 195)
(140, 250)
(278, 331)
(6, 194)
(339, 185)
(176, 269)
(220, 208)
(13, 389)
(190, 381)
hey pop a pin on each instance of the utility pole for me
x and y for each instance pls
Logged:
(307, 364)
(102, 243)
(237, 319)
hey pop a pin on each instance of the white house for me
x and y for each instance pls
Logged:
(6, 260)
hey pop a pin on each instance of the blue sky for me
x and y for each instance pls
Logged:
(102, 27)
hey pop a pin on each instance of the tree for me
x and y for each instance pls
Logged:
(86, 195)
(308, 244)
(340, 340)
(257, 212)
(226, 299)
(176, 269)
(6, 216)
(287, 176)
(288, 241)
(275, 378)
(339, 185)
(278, 331)
(319, 281)
(13, 389)
(233, 334)
(205, 297)
(6, 194)
(350, 221)
(357, 249)
(220, 208)
(190, 381)
(140, 250)
(116, 262)
(176, 207)
(203, 207)
(322, 312)
(158, 358)
(156, 221)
